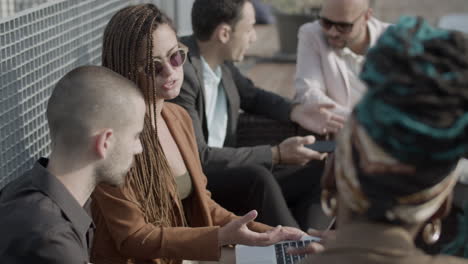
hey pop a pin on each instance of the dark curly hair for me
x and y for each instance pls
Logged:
(208, 14)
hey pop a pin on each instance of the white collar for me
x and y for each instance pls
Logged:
(209, 73)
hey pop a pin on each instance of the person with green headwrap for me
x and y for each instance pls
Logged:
(395, 165)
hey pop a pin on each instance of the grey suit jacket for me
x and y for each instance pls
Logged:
(241, 94)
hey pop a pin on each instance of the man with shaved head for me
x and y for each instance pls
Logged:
(331, 53)
(95, 117)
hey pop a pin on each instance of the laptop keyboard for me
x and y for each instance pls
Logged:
(284, 258)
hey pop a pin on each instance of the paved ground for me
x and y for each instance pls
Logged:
(432, 10)
(267, 74)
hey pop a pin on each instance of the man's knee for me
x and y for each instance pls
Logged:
(258, 175)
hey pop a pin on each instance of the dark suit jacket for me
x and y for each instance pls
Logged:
(241, 94)
(41, 222)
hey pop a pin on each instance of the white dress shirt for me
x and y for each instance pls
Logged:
(354, 63)
(323, 74)
(215, 105)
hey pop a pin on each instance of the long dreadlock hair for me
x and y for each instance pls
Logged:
(128, 34)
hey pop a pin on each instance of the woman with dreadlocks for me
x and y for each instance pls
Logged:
(396, 161)
(163, 213)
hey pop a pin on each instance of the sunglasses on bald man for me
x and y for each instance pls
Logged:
(342, 27)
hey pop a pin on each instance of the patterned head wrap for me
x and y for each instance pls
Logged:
(396, 156)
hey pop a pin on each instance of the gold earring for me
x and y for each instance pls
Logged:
(431, 232)
(328, 202)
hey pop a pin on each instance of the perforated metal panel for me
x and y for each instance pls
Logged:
(37, 47)
(11, 7)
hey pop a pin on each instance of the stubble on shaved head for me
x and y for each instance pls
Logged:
(88, 99)
(346, 9)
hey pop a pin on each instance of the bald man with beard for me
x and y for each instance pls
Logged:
(95, 117)
(331, 53)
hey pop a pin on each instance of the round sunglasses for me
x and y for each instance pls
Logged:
(176, 59)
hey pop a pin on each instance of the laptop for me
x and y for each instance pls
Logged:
(274, 254)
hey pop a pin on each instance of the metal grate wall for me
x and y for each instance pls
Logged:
(37, 47)
(10, 7)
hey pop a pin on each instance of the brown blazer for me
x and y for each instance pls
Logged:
(376, 244)
(123, 234)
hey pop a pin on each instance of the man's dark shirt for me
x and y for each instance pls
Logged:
(41, 222)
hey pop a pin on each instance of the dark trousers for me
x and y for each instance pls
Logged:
(288, 196)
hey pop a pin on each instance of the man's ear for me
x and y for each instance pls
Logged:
(223, 33)
(103, 142)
